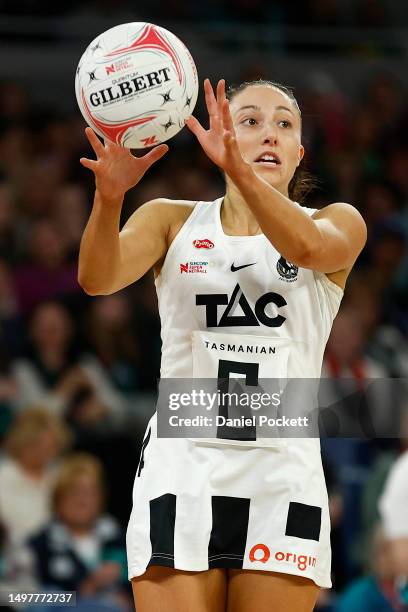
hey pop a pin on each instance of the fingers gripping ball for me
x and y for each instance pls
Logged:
(136, 84)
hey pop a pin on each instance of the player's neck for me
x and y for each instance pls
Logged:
(236, 216)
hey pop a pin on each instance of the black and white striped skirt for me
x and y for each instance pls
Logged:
(198, 506)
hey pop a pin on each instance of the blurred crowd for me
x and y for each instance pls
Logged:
(359, 13)
(350, 28)
(78, 374)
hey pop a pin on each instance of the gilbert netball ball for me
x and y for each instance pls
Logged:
(136, 84)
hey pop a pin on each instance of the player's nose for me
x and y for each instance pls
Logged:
(270, 135)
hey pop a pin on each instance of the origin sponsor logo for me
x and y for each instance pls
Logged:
(203, 244)
(259, 552)
(191, 267)
(301, 561)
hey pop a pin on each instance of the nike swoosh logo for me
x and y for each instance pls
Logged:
(235, 268)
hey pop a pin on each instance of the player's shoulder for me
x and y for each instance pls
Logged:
(346, 216)
(160, 215)
(168, 206)
(169, 203)
(337, 209)
(169, 211)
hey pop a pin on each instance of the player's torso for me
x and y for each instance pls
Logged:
(180, 211)
(238, 287)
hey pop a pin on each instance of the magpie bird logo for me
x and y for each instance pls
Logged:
(287, 271)
(235, 268)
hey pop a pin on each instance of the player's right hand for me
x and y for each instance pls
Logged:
(116, 169)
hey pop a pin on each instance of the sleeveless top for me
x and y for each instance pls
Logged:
(226, 299)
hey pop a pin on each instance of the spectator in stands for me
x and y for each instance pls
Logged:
(378, 589)
(70, 212)
(32, 446)
(355, 410)
(55, 374)
(377, 478)
(112, 333)
(393, 505)
(47, 274)
(81, 549)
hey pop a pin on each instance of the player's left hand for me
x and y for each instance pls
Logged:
(219, 141)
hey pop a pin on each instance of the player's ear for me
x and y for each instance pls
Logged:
(301, 153)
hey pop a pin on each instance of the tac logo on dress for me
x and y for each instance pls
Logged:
(250, 317)
(287, 271)
(203, 244)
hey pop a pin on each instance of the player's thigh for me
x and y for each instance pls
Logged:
(165, 589)
(250, 590)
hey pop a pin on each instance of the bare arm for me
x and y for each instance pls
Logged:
(109, 260)
(330, 241)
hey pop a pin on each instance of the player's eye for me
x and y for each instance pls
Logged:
(249, 121)
(286, 123)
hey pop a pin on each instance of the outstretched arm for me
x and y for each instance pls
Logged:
(328, 242)
(109, 260)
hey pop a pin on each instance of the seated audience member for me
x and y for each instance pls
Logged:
(47, 273)
(31, 446)
(54, 374)
(81, 549)
(393, 505)
(114, 341)
(377, 591)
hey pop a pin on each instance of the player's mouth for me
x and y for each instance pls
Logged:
(268, 159)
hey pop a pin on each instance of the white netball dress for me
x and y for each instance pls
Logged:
(257, 504)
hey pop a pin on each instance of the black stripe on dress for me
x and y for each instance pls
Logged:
(228, 538)
(304, 521)
(141, 462)
(162, 521)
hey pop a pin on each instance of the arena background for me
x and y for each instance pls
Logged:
(93, 362)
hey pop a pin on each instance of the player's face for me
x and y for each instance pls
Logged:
(268, 131)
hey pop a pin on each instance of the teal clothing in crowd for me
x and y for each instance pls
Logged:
(363, 594)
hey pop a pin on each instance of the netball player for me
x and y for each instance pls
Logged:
(228, 525)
